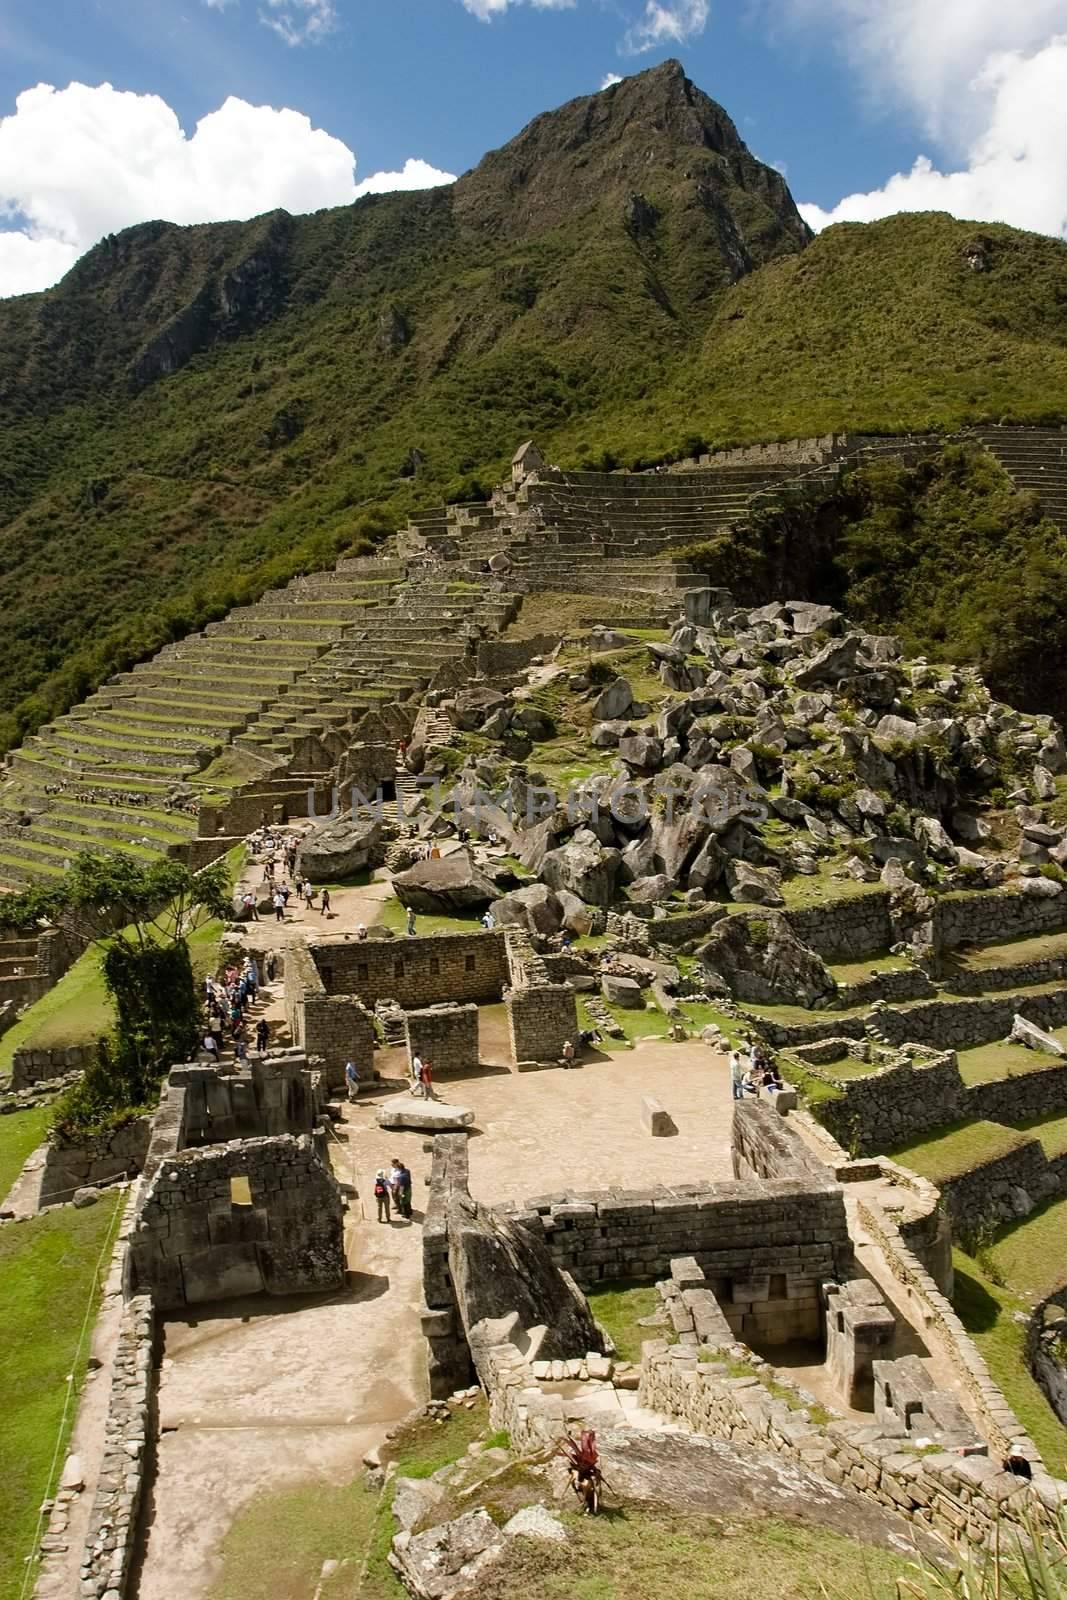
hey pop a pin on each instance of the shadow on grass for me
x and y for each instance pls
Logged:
(976, 1307)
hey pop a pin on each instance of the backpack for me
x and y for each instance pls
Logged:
(379, 1188)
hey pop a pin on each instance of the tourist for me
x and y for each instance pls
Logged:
(488, 920)
(248, 900)
(737, 1074)
(400, 1183)
(750, 1083)
(278, 902)
(324, 903)
(309, 893)
(381, 1193)
(568, 1053)
(270, 966)
(262, 1035)
(411, 922)
(351, 1082)
(361, 932)
(416, 1077)
(426, 1077)
(210, 1045)
(240, 1051)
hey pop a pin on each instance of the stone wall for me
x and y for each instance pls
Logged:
(959, 1024)
(419, 972)
(128, 1430)
(540, 1021)
(993, 916)
(909, 984)
(887, 1108)
(41, 1066)
(848, 930)
(448, 1354)
(1002, 1190)
(118, 1153)
(261, 1217)
(765, 1248)
(1019, 1097)
(961, 1496)
(926, 1303)
(277, 1093)
(334, 1028)
(502, 658)
(446, 1036)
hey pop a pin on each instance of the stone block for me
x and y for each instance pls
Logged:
(655, 1119)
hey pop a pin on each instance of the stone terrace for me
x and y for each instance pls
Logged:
(1036, 458)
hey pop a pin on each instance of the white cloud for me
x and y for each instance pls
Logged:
(486, 10)
(1013, 169)
(300, 21)
(666, 23)
(609, 79)
(415, 175)
(929, 54)
(80, 162)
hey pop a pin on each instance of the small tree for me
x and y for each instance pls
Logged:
(141, 918)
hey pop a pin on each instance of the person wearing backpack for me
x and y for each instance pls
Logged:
(381, 1193)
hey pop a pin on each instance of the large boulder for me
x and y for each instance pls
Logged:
(622, 992)
(498, 1267)
(763, 961)
(535, 908)
(754, 884)
(653, 889)
(585, 867)
(445, 886)
(449, 1560)
(341, 848)
(473, 706)
(614, 702)
(837, 660)
(1034, 1038)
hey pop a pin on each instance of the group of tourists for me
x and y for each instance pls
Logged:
(753, 1071)
(227, 1002)
(392, 1188)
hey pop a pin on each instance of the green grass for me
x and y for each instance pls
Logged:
(961, 1148)
(638, 1553)
(986, 1063)
(277, 1545)
(620, 1307)
(1030, 1255)
(979, 958)
(20, 1134)
(815, 1090)
(77, 1009)
(988, 1312)
(393, 915)
(49, 1280)
(859, 971)
(1051, 1130)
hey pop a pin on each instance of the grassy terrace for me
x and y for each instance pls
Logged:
(985, 1063)
(980, 958)
(958, 1149)
(1052, 1131)
(77, 1009)
(50, 1275)
(988, 1310)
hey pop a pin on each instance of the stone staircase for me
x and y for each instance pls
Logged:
(1035, 459)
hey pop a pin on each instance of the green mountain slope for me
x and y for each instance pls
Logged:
(195, 413)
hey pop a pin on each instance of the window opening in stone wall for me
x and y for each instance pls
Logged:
(435, 966)
(470, 963)
(363, 972)
(240, 1192)
(398, 969)
(777, 1290)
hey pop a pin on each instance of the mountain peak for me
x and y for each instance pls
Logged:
(655, 131)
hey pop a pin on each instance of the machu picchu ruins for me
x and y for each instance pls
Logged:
(533, 936)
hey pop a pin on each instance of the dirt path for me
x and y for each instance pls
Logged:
(259, 1395)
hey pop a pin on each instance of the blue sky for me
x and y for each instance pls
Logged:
(846, 95)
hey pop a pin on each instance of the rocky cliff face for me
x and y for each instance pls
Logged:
(650, 155)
